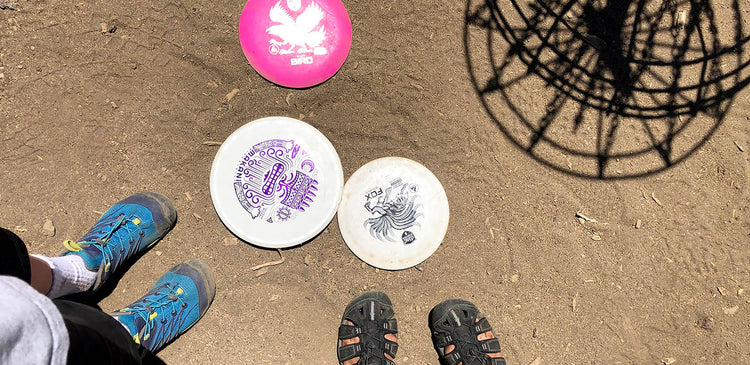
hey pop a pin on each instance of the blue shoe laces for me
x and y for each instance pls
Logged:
(163, 303)
(107, 228)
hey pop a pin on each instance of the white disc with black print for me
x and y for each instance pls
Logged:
(393, 213)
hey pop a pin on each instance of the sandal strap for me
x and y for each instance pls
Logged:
(390, 326)
(491, 345)
(483, 325)
(348, 352)
(441, 340)
(390, 347)
(346, 332)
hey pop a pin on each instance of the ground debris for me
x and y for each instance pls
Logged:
(231, 95)
(739, 147)
(197, 217)
(188, 197)
(668, 361)
(261, 272)
(270, 263)
(731, 310)
(722, 291)
(582, 218)
(212, 143)
(656, 200)
(574, 304)
(537, 361)
(49, 228)
(638, 224)
(231, 241)
(596, 237)
(8, 5)
(20, 229)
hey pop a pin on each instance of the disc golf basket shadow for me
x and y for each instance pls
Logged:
(607, 89)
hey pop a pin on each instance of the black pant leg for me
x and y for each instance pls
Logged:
(14, 258)
(96, 337)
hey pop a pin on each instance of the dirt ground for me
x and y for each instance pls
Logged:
(592, 221)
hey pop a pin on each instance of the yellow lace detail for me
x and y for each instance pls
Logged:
(71, 246)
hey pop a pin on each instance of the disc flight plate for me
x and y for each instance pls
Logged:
(394, 213)
(276, 182)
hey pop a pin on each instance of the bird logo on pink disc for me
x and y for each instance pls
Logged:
(295, 43)
(305, 34)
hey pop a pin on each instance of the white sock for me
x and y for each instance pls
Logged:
(69, 275)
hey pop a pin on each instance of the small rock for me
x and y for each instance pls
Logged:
(596, 237)
(8, 5)
(739, 291)
(308, 260)
(197, 217)
(20, 229)
(638, 224)
(669, 361)
(231, 241)
(157, 253)
(514, 278)
(188, 197)
(732, 310)
(274, 298)
(262, 272)
(537, 361)
(2, 75)
(49, 228)
(722, 291)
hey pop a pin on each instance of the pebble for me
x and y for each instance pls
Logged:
(261, 272)
(49, 228)
(231, 241)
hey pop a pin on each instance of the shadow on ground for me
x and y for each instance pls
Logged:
(620, 89)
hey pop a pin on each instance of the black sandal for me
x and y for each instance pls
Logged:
(454, 322)
(372, 317)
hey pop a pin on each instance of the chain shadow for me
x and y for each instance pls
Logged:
(606, 89)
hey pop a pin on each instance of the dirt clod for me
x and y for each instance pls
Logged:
(49, 228)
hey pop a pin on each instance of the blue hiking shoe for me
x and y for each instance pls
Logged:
(127, 228)
(175, 303)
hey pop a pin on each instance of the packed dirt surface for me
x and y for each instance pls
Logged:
(595, 162)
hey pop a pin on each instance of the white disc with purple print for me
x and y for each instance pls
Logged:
(394, 213)
(276, 182)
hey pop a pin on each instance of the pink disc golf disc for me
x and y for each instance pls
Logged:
(295, 43)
